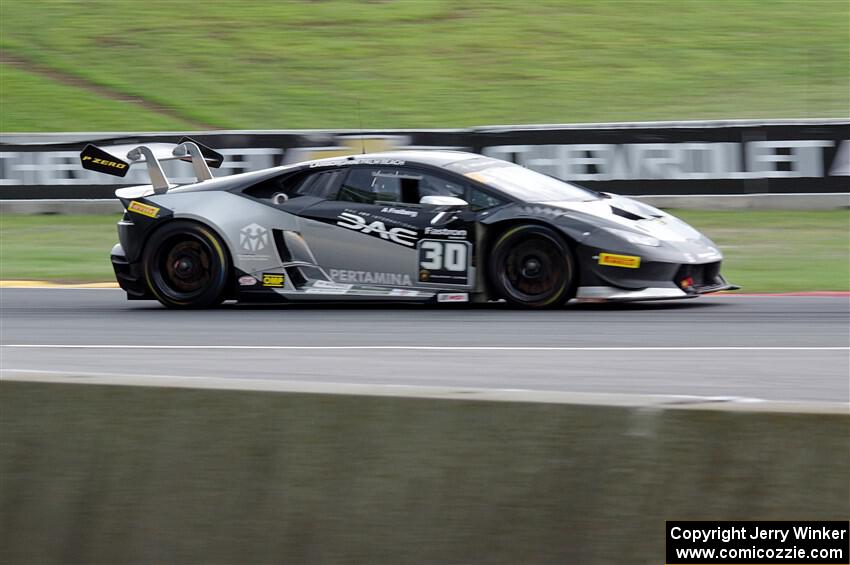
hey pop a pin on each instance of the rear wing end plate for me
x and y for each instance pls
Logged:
(119, 158)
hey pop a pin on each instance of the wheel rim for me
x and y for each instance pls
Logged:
(534, 270)
(184, 267)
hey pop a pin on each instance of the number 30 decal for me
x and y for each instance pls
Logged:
(438, 255)
(442, 261)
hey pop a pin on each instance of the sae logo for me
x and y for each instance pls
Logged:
(253, 238)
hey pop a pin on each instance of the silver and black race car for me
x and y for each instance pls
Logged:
(426, 226)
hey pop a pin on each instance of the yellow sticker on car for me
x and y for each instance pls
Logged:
(625, 261)
(143, 209)
(272, 279)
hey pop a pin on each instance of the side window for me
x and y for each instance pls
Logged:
(367, 186)
(436, 186)
(320, 185)
(394, 185)
(479, 200)
(286, 187)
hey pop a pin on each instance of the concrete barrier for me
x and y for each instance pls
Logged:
(119, 474)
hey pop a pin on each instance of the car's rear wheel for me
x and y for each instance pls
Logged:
(186, 266)
(532, 266)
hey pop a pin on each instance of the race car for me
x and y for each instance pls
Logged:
(418, 225)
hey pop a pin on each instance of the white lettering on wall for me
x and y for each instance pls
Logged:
(674, 161)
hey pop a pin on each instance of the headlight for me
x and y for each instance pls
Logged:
(635, 238)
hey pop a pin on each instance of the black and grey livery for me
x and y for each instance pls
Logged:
(427, 226)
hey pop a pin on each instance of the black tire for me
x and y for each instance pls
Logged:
(186, 265)
(532, 266)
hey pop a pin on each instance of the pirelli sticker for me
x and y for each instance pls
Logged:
(625, 261)
(143, 209)
(273, 279)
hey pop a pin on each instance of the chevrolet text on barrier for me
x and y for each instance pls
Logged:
(663, 158)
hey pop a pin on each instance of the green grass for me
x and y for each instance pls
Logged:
(57, 248)
(768, 251)
(33, 102)
(774, 251)
(424, 63)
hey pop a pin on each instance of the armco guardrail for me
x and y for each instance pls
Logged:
(660, 158)
(118, 474)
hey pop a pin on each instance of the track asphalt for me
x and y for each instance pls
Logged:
(793, 348)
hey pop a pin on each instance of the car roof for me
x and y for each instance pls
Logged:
(435, 158)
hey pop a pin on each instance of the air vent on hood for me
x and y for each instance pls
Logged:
(626, 214)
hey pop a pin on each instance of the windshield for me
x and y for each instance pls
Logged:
(522, 183)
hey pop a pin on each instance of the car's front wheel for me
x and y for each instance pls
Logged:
(186, 265)
(531, 265)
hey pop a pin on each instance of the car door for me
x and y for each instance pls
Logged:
(375, 231)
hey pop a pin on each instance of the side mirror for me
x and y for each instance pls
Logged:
(451, 201)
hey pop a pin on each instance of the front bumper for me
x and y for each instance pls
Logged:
(647, 277)
(614, 294)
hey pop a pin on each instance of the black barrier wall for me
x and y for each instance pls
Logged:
(664, 158)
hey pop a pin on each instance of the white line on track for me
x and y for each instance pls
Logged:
(418, 347)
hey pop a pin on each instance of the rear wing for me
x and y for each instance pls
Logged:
(117, 160)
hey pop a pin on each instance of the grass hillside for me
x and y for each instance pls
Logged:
(121, 65)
